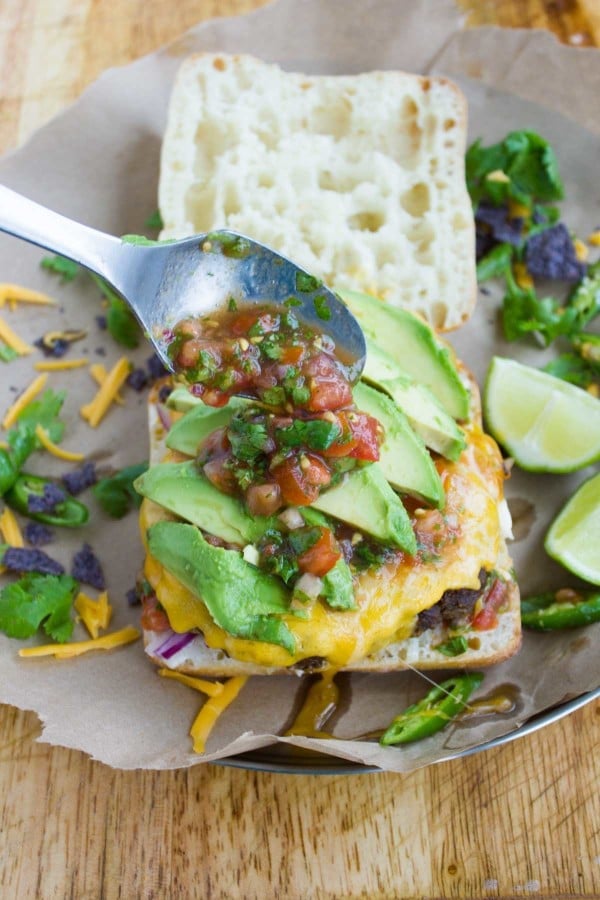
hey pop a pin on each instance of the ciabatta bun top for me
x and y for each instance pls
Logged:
(359, 179)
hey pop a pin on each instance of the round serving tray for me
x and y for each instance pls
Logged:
(282, 758)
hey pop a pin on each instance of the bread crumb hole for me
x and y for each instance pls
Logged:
(416, 200)
(266, 180)
(366, 221)
(326, 181)
(449, 124)
(219, 64)
(438, 314)
(459, 222)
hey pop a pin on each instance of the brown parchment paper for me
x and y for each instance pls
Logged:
(98, 162)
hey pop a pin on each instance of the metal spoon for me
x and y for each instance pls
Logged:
(166, 282)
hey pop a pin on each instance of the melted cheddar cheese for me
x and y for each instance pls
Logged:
(462, 540)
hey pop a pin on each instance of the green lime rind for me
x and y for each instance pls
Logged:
(573, 538)
(544, 423)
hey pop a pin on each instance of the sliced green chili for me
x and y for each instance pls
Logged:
(69, 513)
(544, 612)
(433, 712)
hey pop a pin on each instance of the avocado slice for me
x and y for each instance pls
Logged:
(338, 587)
(182, 489)
(411, 340)
(403, 457)
(241, 599)
(365, 500)
(187, 433)
(428, 418)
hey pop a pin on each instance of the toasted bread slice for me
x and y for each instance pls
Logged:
(485, 648)
(357, 178)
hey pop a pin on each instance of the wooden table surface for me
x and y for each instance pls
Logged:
(519, 821)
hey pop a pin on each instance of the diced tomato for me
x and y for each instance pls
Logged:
(346, 442)
(322, 556)
(300, 479)
(216, 444)
(365, 430)
(219, 474)
(153, 618)
(243, 322)
(487, 618)
(215, 397)
(291, 356)
(263, 499)
(329, 389)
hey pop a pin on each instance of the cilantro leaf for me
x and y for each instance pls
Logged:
(116, 494)
(322, 307)
(571, 367)
(154, 221)
(7, 353)
(496, 263)
(38, 600)
(65, 268)
(454, 647)
(142, 241)
(120, 321)
(529, 164)
(318, 434)
(44, 411)
(248, 439)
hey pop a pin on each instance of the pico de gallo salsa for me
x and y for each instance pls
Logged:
(300, 432)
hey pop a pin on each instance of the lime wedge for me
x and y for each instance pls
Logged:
(544, 423)
(573, 539)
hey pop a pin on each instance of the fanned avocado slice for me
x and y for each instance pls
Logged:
(184, 490)
(403, 456)
(416, 347)
(427, 417)
(365, 500)
(244, 601)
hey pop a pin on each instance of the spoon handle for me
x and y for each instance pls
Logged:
(32, 222)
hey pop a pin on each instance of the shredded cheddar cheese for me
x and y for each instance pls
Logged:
(581, 251)
(9, 528)
(56, 365)
(30, 392)
(212, 709)
(95, 614)
(594, 238)
(12, 294)
(95, 411)
(99, 374)
(49, 445)
(13, 340)
(522, 276)
(517, 210)
(211, 688)
(66, 651)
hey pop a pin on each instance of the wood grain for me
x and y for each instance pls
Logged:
(520, 821)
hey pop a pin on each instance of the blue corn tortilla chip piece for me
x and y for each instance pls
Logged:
(133, 597)
(48, 501)
(165, 392)
(22, 559)
(86, 568)
(503, 228)
(81, 478)
(137, 379)
(57, 349)
(155, 368)
(37, 534)
(551, 254)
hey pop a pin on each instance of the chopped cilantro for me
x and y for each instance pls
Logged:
(7, 353)
(528, 167)
(248, 439)
(496, 263)
(36, 600)
(232, 305)
(306, 284)
(318, 434)
(274, 396)
(322, 307)
(292, 301)
(65, 268)
(154, 221)
(116, 494)
(120, 321)
(454, 647)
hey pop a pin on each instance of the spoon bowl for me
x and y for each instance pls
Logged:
(165, 282)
